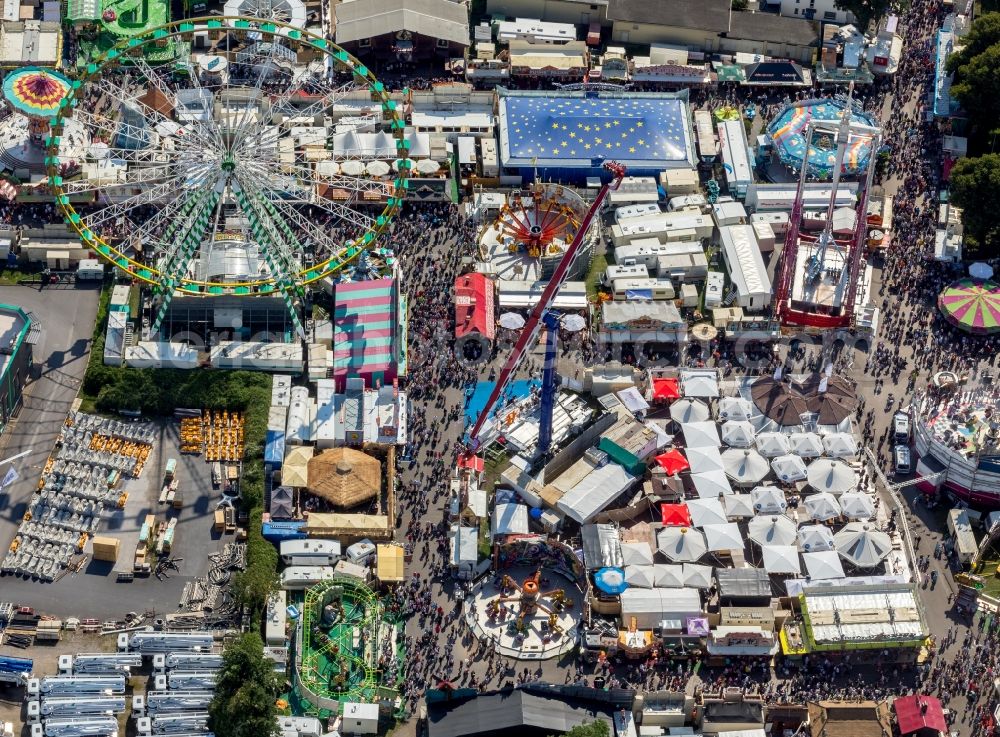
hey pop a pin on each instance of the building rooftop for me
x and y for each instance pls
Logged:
(439, 19)
(849, 719)
(711, 15)
(14, 325)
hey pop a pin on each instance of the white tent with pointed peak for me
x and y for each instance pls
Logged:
(857, 505)
(701, 434)
(813, 538)
(639, 576)
(772, 444)
(768, 500)
(738, 505)
(744, 466)
(706, 512)
(772, 529)
(699, 384)
(723, 537)
(697, 576)
(703, 460)
(806, 444)
(840, 445)
(781, 559)
(681, 544)
(737, 433)
(823, 565)
(735, 408)
(862, 545)
(636, 554)
(684, 411)
(668, 576)
(822, 506)
(789, 468)
(711, 484)
(830, 474)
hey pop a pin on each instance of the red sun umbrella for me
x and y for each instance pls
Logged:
(666, 389)
(673, 462)
(675, 515)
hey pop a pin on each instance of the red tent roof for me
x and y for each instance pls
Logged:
(675, 515)
(673, 462)
(666, 389)
(918, 712)
(472, 462)
(474, 306)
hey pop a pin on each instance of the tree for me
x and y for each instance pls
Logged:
(984, 32)
(977, 86)
(740, 4)
(245, 692)
(597, 728)
(974, 186)
(865, 11)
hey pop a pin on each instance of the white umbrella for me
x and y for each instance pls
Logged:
(689, 410)
(703, 460)
(840, 445)
(823, 565)
(327, 168)
(398, 163)
(639, 576)
(735, 408)
(862, 545)
(681, 544)
(711, 484)
(697, 576)
(772, 444)
(738, 505)
(781, 559)
(699, 385)
(979, 270)
(737, 433)
(668, 576)
(789, 468)
(826, 474)
(768, 500)
(723, 537)
(700, 434)
(806, 444)
(352, 167)
(428, 166)
(377, 168)
(636, 554)
(745, 466)
(573, 323)
(99, 150)
(822, 506)
(706, 512)
(857, 505)
(511, 321)
(815, 537)
(772, 530)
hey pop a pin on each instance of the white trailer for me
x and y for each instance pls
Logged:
(189, 661)
(76, 685)
(98, 727)
(180, 723)
(295, 578)
(68, 706)
(100, 663)
(150, 642)
(310, 552)
(191, 680)
(167, 702)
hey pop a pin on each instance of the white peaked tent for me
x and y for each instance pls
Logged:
(703, 460)
(789, 468)
(689, 410)
(699, 384)
(828, 474)
(772, 444)
(697, 576)
(681, 544)
(735, 408)
(840, 445)
(711, 484)
(737, 433)
(738, 505)
(813, 538)
(636, 554)
(781, 559)
(862, 545)
(745, 466)
(857, 505)
(723, 537)
(806, 444)
(706, 512)
(701, 434)
(668, 576)
(639, 576)
(823, 565)
(823, 506)
(768, 500)
(772, 529)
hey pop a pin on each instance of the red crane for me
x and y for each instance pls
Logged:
(529, 333)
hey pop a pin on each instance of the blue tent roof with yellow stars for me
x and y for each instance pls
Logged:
(642, 130)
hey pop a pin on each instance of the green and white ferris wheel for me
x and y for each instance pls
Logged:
(267, 159)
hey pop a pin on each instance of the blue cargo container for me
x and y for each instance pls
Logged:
(274, 448)
(275, 532)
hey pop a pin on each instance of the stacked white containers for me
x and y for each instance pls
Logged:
(301, 411)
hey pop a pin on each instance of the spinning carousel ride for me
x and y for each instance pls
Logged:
(33, 95)
(531, 603)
